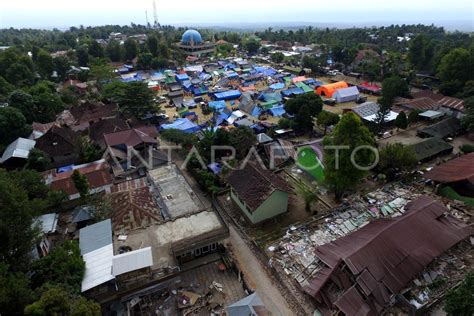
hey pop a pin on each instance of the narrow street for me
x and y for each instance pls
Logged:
(257, 277)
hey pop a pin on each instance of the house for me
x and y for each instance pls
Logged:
(449, 127)
(418, 104)
(39, 129)
(361, 273)
(259, 193)
(133, 150)
(60, 144)
(48, 224)
(98, 129)
(368, 112)
(107, 274)
(16, 154)
(278, 152)
(97, 174)
(431, 148)
(453, 107)
(251, 305)
(89, 113)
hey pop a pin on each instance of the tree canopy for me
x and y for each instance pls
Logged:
(305, 107)
(341, 173)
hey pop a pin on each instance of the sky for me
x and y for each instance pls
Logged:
(63, 13)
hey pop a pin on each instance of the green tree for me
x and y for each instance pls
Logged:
(340, 172)
(285, 123)
(152, 43)
(413, 117)
(468, 119)
(136, 100)
(15, 292)
(82, 54)
(145, 61)
(88, 150)
(114, 51)
(17, 231)
(13, 125)
(96, 50)
(419, 52)
(309, 195)
(459, 301)
(242, 139)
(252, 46)
(305, 107)
(278, 57)
(57, 300)
(38, 160)
(456, 68)
(44, 63)
(393, 87)
(61, 65)
(63, 266)
(326, 119)
(396, 158)
(113, 91)
(178, 137)
(401, 121)
(131, 49)
(81, 183)
(5, 88)
(101, 71)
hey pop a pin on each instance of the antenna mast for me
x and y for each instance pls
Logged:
(146, 16)
(155, 16)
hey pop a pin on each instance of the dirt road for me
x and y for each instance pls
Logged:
(256, 277)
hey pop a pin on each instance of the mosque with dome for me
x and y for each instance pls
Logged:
(193, 44)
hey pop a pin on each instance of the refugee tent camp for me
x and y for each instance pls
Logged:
(346, 94)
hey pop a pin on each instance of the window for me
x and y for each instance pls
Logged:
(205, 249)
(214, 247)
(197, 252)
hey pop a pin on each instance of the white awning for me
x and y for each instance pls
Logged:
(131, 261)
(98, 267)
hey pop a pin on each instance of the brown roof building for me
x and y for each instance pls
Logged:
(60, 144)
(260, 193)
(362, 271)
(97, 174)
(459, 169)
(90, 113)
(98, 129)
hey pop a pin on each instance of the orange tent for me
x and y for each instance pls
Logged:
(328, 89)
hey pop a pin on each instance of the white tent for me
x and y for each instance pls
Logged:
(346, 94)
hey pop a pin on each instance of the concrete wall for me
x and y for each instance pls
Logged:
(275, 205)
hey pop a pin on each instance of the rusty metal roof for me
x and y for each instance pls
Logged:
(385, 255)
(459, 169)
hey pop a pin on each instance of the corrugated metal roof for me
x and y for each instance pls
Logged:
(131, 261)
(48, 222)
(95, 236)
(98, 266)
(459, 169)
(20, 148)
(386, 254)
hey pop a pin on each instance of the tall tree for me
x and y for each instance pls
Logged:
(326, 119)
(96, 50)
(341, 172)
(44, 63)
(396, 158)
(81, 183)
(15, 292)
(13, 125)
(131, 49)
(136, 100)
(401, 121)
(305, 107)
(82, 54)
(455, 69)
(114, 51)
(152, 43)
(468, 119)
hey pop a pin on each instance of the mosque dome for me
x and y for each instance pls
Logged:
(191, 36)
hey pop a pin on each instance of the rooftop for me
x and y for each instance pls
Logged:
(176, 195)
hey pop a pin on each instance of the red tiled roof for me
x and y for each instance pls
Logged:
(97, 174)
(459, 169)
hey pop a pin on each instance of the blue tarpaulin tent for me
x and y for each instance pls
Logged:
(272, 96)
(223, 116)
(227, 95)
(277, 86)
(187, 85)
(182, 124)
(278, 110)
(182, 77)
(218, 105)
(292, 92)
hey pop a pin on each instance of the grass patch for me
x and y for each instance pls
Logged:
(309, 162)
(449, 192)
